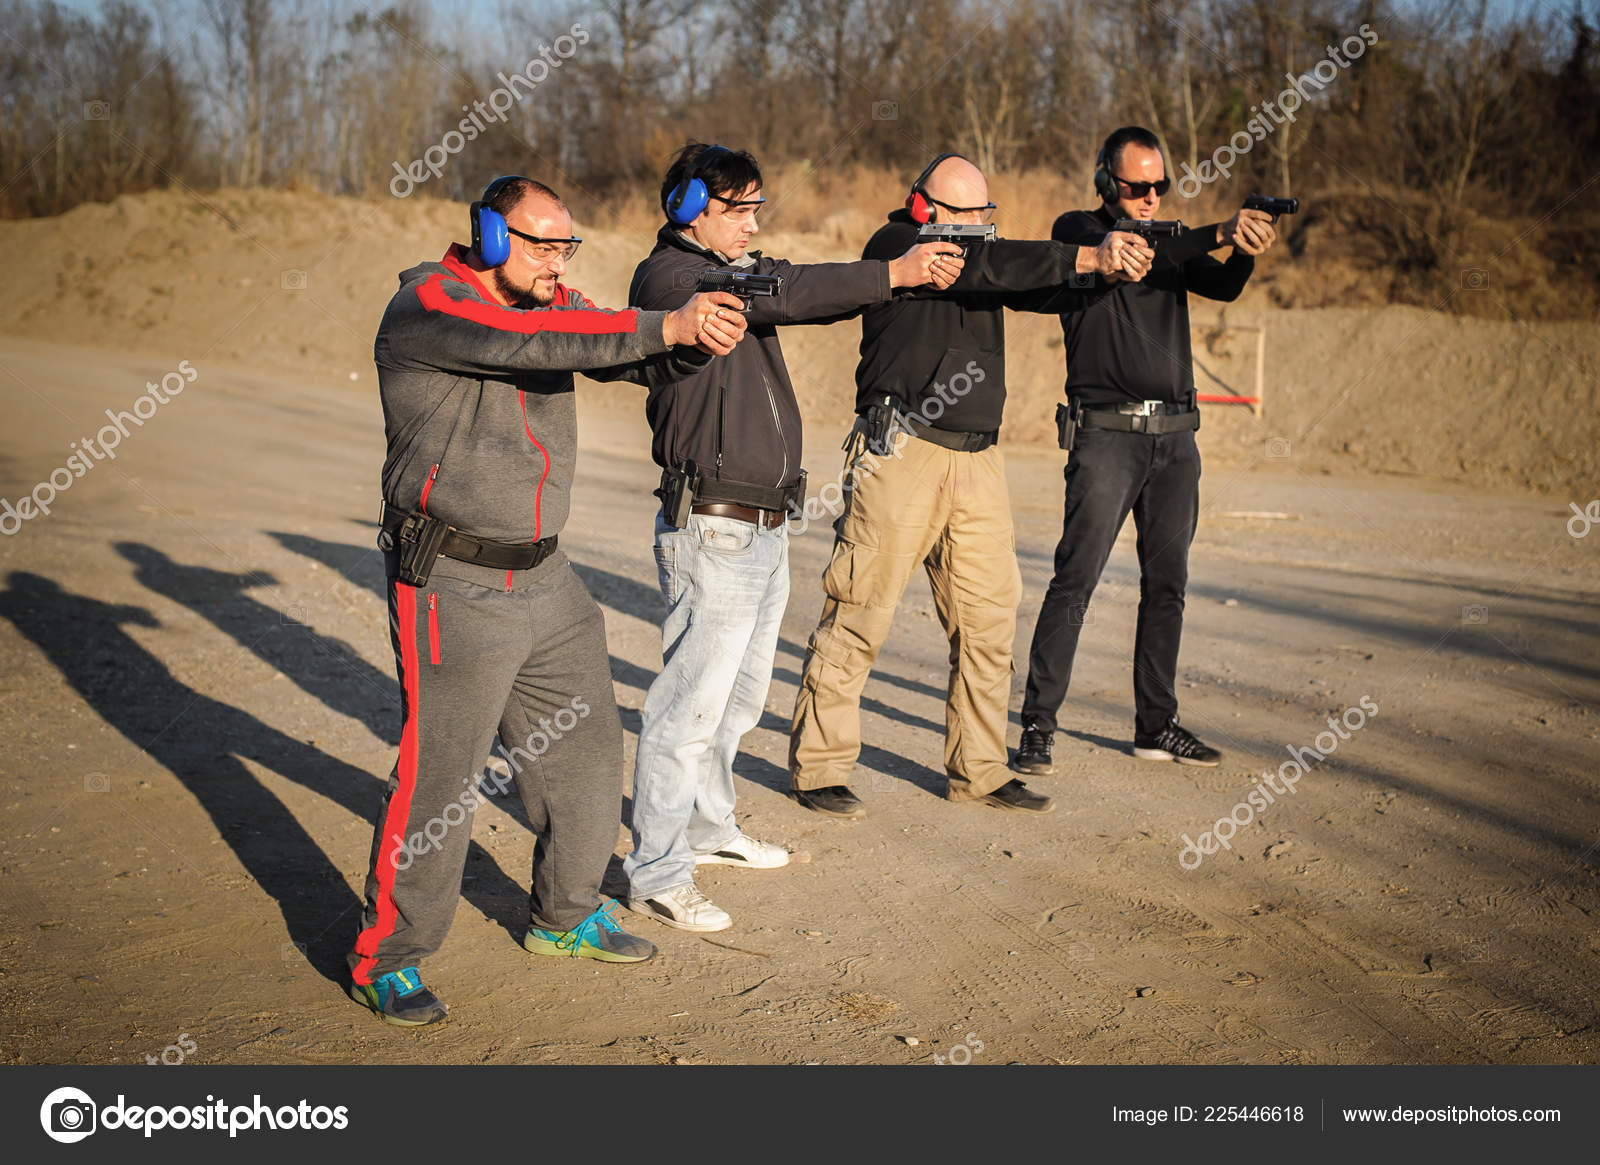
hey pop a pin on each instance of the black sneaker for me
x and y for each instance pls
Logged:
(835, 801)
(1175, 742)
(1033, 755)
(1015, 795)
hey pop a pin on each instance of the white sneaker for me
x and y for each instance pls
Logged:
(685, 908)
(748, 852)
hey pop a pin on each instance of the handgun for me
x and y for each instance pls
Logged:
(1150, 228)
(960, 233)
(745, 284)
(1273, 206)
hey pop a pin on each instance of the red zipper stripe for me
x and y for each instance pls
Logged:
(427, 487)
(433, 626)
(538, 495)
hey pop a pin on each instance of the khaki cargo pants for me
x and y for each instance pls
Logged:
(947, 510)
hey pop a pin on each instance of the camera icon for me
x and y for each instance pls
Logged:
(293, 279)
(1080, 279)
(1080, 952)
(96, 783)
(68, 1115)
(1277, 448)
(293, 613)
(292, 952)
(97, 111)
(1080, 615)
(1474, 279)
(885, 111)
(1474, 614)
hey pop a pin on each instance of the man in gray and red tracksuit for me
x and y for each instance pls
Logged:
(492, 630)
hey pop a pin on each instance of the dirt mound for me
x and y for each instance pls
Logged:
(296, 282)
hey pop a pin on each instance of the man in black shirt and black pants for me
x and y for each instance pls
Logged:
(1130, 386)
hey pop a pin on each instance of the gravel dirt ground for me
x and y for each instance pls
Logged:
(200, 706)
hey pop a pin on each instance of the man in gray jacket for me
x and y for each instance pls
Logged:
(727, 438)
(492, 631)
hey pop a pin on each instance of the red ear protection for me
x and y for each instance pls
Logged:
(918, 204)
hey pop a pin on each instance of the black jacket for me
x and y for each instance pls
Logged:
(737, 420)
(927, 340)
(1132, 344)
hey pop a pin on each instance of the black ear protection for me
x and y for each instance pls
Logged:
(691, 195)
(490, 239)
(920, 206)
(1105, 183)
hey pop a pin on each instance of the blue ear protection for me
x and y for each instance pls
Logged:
(490, 239)
(690, 196)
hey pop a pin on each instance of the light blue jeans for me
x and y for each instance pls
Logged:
(726, 583)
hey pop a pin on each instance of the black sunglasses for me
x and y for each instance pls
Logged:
(1137, 190)
(566, 248)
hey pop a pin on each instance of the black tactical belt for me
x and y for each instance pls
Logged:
(1153, 417)
(949, 439)
(478, 551)
(738, 493)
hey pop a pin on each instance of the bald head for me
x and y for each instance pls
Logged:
(957, 182)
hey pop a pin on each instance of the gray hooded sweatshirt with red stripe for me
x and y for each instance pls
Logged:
(478, 401)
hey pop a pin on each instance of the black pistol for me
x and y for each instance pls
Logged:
(1273, 206)
(1150, 228)
(745, 284)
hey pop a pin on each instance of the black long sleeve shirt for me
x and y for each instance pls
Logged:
(1132, 343)
(950, 345)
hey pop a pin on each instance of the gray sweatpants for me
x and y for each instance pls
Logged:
(480, 652)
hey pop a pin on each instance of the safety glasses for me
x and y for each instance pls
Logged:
(546, 250)
(987, 209)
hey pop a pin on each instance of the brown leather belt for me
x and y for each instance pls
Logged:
(768, 518)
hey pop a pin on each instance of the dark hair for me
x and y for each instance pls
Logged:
(510, 196)
(1128, 134)
(726, 173)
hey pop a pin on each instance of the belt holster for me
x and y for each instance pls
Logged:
(794, 498)
(883, 421)
(1067, 417)
(677, 493)
(419, 539)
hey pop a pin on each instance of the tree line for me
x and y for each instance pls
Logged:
(1471, 106)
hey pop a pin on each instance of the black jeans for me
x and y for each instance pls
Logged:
(1109, 474)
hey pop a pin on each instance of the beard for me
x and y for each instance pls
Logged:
(520, 297)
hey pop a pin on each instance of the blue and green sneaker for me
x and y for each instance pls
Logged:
(400, 998)
(596, 937)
